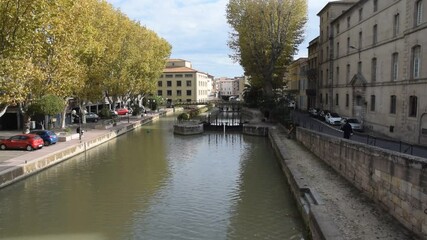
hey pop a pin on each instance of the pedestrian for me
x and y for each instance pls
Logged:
(291, 131)
(347, 129)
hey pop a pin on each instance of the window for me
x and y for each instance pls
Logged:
(348, 45)
(348, 22)
(394, 66)
(396, 23)
(321, 99)
(188, 92)
(347, 100)
(178, 75)
(347, 74)
(358, 100)
(327, 77)
(159, 83)
(374, 70)
(169, 83)
(188, 83)
(416, 61)
(159, 93)
(359, 67)
(178, 92)
(327, 53)
(336, 99)
(418, 12)
(338, 49)
(338, 28)
(360, 40)
(169, 92)
(372, 103)
(178, 83)
(338, 76)
(321, 79)
(360, 14)
(188, 75)
(413, 106)
(326, 99)
(375, 5)
(169, 75)
(393, 104)
(375, 34)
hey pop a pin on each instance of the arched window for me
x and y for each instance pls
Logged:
(393, 104)
(394, 66)
(418, 12)
(413, 106)
(416, 61)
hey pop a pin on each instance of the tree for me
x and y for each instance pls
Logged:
(18, 29)
(265, 36)
(48, 105)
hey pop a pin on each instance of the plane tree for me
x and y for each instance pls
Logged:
(265, 35)
(19, 21)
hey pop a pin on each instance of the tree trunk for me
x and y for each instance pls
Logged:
(3, 110)
(268, 89)
(27, 122)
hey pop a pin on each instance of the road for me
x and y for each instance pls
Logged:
(305, 121)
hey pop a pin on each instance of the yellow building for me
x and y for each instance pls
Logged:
(181, 83)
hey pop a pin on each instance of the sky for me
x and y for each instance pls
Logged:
(198, 30)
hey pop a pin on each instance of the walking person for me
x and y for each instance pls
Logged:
(347, 129)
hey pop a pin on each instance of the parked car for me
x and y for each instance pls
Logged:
(314, 112)
(122, 111)
(333, 118)
(90, 117)
(48, 137)
(22, 141)
(355, 124)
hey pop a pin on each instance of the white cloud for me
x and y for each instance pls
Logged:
(198, 29)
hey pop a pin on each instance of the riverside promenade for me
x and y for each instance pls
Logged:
(339, 210)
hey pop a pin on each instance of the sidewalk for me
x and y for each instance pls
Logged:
(352, 214)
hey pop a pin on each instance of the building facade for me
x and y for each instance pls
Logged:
(231, 87)
(297, 83)
(370, 65)
(181, 83)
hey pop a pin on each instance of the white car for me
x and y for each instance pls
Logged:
(355, 124)
(333, 118)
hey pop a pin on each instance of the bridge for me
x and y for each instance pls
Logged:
(224, 106)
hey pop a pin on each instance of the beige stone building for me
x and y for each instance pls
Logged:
(181, 83)
(297, 83)
(231, 87)
(371, 55)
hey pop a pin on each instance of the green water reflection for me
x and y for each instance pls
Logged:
(152, 184)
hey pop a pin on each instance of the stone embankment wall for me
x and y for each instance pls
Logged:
(398, 182)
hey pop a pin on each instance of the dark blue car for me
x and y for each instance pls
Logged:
(48, 137)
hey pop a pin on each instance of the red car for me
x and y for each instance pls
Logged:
(122, 111)
(22, 141)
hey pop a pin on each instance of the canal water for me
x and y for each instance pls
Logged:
(152, 184)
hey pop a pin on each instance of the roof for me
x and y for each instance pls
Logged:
(342, 2)
(179, 69)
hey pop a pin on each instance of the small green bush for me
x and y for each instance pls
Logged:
(183, 116)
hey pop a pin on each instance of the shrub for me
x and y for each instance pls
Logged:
(183, 116)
